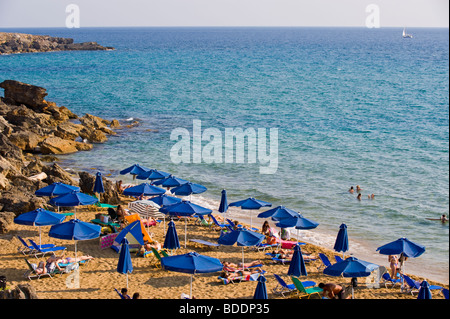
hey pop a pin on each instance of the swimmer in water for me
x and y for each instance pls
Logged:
(358, 197)
(444, 218)
(351, 190)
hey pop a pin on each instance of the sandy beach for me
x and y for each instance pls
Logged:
(99, 277)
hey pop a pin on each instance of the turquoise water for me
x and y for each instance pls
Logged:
(353, 106)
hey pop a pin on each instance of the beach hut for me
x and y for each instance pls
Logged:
(135, 233)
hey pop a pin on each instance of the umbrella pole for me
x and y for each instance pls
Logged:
(243, 258)
(190, 290)
(185, 231)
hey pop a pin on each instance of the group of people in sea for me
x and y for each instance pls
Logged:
(358, 190)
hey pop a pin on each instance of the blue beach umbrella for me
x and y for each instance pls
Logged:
(251, 203)
(98, 184)
(341, 243)
(403, 247)
(73, 199)
(424, 291)
(39, 217)
(298, 222)
(350, 267)
(185, 209)
(144, 189)
(56, 189)
(278, 213)
(165, 200)
(134, 170)
(75, 229)
(191, 263)
(152, 174)
(241, 237)
(261, 289)
(297, 265)
(170, 181)
(171, 241)
(124, 265)
(188, 189)
(223, 206)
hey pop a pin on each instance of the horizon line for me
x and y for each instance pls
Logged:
(224, 26)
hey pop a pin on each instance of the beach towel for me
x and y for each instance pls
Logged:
(107, 240)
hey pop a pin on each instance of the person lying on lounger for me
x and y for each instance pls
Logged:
(148, 247)
(230, 265)
(282, 254)
(47, 267)
(239, 273)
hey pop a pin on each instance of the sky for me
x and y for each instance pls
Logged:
(121, 13)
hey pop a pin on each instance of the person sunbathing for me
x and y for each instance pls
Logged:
(240, 273)
(148, 247)
(47, 267)
(281, 254)
(233, 266)
(70, 260)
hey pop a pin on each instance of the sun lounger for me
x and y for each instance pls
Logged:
(387, 279)
(205, 243)
(240, 278)
(325, 261)
(264, 246)
(43, 251)
(219, 224)
(32, 274)
(414, 285)
(28, 249)
(282, 287)
(302, 291)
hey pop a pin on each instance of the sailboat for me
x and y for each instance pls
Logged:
(406, 35)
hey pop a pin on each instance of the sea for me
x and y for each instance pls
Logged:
(350, 106)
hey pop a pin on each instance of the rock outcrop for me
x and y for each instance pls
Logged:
(32, 128)
(25, 43)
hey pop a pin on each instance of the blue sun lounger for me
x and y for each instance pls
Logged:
(43, 251)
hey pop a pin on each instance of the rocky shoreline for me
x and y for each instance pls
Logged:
(12, 43)
(33, 132)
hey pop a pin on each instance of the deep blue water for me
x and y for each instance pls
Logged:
(353, 106)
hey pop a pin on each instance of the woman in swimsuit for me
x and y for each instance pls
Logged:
(393, 260)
